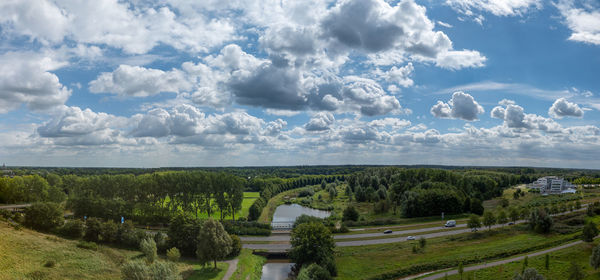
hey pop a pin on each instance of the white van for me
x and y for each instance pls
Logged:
(451, 223)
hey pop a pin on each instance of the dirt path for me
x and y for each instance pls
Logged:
(231, 269)
(486, 265)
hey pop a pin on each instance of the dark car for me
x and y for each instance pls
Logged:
(388, 231)
(511, 223)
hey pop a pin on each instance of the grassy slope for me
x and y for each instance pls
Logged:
(372, 260)
(249, 266)
(24, 252)
(560, 262)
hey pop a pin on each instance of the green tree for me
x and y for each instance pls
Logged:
(525, 264)
(422, 242)
(577, 204)
(214, 242)
(313, 243)
(502, 218)
(529, 274)
(476, 206)
(547, 261)
(180, 230)
(590, 231)
(576, 272)
(489, 219)
(595, 257)
(461, 270)
(350, 214)
(474, 222)
(313, 272)
(540, 221)
(72, 229)
(44, 216)
(93, 228)
(148, 247)
(323, 184)
(514, 214)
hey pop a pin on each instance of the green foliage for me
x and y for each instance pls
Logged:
(595, 257)
(181, 231)
(148, 247)
(513, 214)
(590, 230)
(474, 222)
(173, 254)
(93, 228)
(161, 242)
(461, 269)
(313, 243)
(236, 246)
(109, 231)
(87, 245)
(529, 274)
(476, 206)
(44, 216)
(246, 228)
(313, 272)
(547, 261)
(502, 218)
(29, 188)
(72, 229)
(540, 221)
(525, 264)
(138, 270)
(213, 242)
(576, 272)
(350, 214)
(422, 243)
(489, 219)
(304, 219)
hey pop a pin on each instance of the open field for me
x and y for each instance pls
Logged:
(560, 262)
(24, 254)
(372, 260)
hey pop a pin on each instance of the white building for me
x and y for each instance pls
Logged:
(552, 185)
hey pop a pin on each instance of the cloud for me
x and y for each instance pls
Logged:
(399, 76)
(514, 116)
(563, 108)
(461, 106)
(25, 78)
(319, 122)
(584, 21)
(139, 81)
(460, 59)
(497, 8)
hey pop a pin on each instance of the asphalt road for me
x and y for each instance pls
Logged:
(284, 239)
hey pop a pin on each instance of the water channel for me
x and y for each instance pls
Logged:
(284, 218)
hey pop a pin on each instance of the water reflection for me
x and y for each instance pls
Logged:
(285, 215)
(276, 271)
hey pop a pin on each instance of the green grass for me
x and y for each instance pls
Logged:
(560, 262)
(368, 261)
(249, 198)
(208, 273)
(249, 266)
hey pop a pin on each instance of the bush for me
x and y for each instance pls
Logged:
(246, 228)
(306, 193)
(135, 270)
(126, 235)
(161, 242)
(173, 254)
(148, 247)
(45, 216)
(313, 272)
(108, 232)
(93, 228)
(72, 229)
(87, 245)
(350, 214)
(50, 263)
(236, 246)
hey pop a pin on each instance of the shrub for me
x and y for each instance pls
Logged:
(161, 242)
(87, 245)
(93, 228)
(173, 254)
(72, 229)
(50, 263)
(306, 193)
(313, 272)
(529, 274)
(135, 270)
(126, 235)
(236, 246)
(148, 247)
(45, 216)
(109, 231)
(164, 271)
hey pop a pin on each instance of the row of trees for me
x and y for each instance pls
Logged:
(31, 188)
(156, 197)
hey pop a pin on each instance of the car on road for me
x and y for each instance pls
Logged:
(511, 223)
(410, 237)
(451, 223)
(388, 231)
(474, 230)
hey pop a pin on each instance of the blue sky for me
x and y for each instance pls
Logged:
(178, 83)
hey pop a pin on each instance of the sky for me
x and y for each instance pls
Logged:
(162, 83)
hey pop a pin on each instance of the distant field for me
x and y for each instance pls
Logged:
(249, 198)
